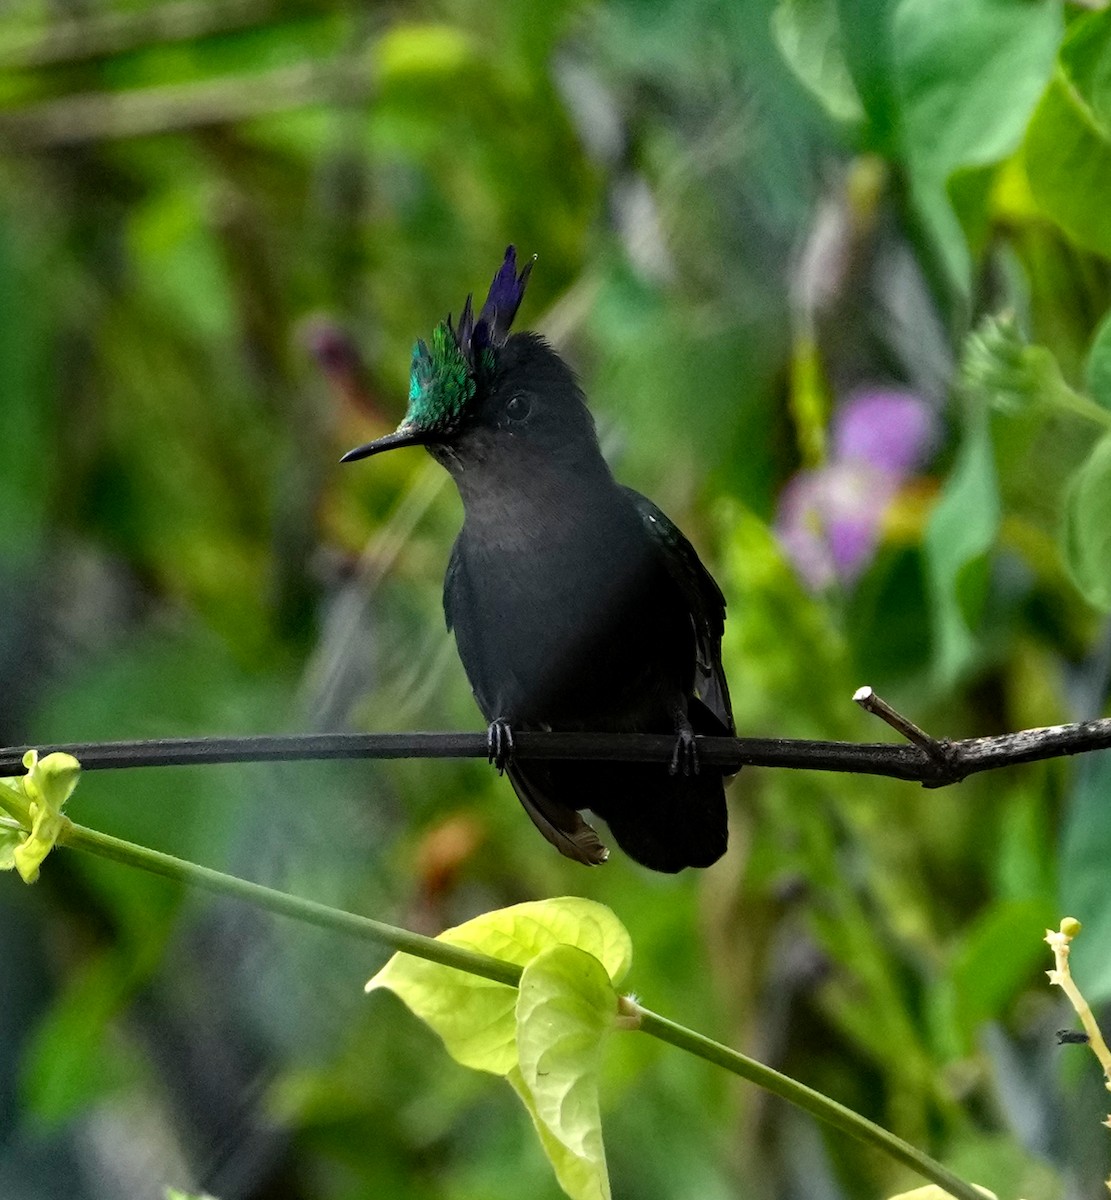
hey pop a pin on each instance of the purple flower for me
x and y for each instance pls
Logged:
(830, 519)
(889, 429)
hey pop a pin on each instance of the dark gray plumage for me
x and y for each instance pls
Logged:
(576, 604)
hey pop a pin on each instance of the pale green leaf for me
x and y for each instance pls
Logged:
(932, 1192)
(476, 1017)
(419, 53)
(9, 842)
(566, 1007)
(577, 1176)
(13, 800)
(1088, 526)
(808, 34)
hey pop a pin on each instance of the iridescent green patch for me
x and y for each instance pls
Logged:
(440, 381)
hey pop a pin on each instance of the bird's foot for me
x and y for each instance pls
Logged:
(499, 744)
(684, 759)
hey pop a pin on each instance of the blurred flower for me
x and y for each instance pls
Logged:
(341, 364)
(38, 796)
(829, 520)
(891, 430)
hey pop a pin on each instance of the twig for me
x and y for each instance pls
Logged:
(1061, 975)
(1059, 942)
(100, 34)
(961, 758)
(870, 702)
(93, 116)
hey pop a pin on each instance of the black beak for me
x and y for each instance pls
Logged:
(404, 435)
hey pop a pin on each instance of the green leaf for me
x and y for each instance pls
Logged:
(1087, 535)
(10, 841)
(961, 532)
(565, 1009)
(1038, 433)
(969, 73)
(1097, 370)
(1068, 144)
(476, 1017)
(75, 1057)
(997, 955)
(28, 343)
(1085, 853)
(1042, 431)
(1004, 372)
(808, 34)
(408, 54)
(1009, 1169)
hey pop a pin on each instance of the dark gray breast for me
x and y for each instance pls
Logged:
(570, 621)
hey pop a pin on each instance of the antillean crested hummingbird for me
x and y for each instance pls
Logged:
(576, 603)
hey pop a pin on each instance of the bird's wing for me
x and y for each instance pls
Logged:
(451, 583)
(562, 826)
(704, 599)
(464, 618)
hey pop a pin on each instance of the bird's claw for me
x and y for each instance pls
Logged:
(499, 744)
(684, 759)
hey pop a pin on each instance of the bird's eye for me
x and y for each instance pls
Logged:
(517, 408)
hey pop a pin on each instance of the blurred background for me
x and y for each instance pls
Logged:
(769, 235)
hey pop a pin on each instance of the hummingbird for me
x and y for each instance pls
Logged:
(575, 602)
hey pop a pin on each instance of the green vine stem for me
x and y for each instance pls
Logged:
(79, 837)
(815, 1103)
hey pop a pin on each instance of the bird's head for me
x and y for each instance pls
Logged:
(479, 394)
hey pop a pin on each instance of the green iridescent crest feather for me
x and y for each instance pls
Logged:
(440, 381)
(444, 377)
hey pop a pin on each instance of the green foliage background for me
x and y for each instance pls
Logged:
(742, 211)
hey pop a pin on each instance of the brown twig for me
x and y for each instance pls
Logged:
(913, 763)
(937, 751)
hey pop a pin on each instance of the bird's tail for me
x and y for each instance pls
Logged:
(666, 822)
(662, 821)
(561, 825)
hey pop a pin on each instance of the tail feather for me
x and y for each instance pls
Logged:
(665, 822)
(562, 826)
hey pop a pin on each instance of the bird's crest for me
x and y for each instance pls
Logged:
(444, 374)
